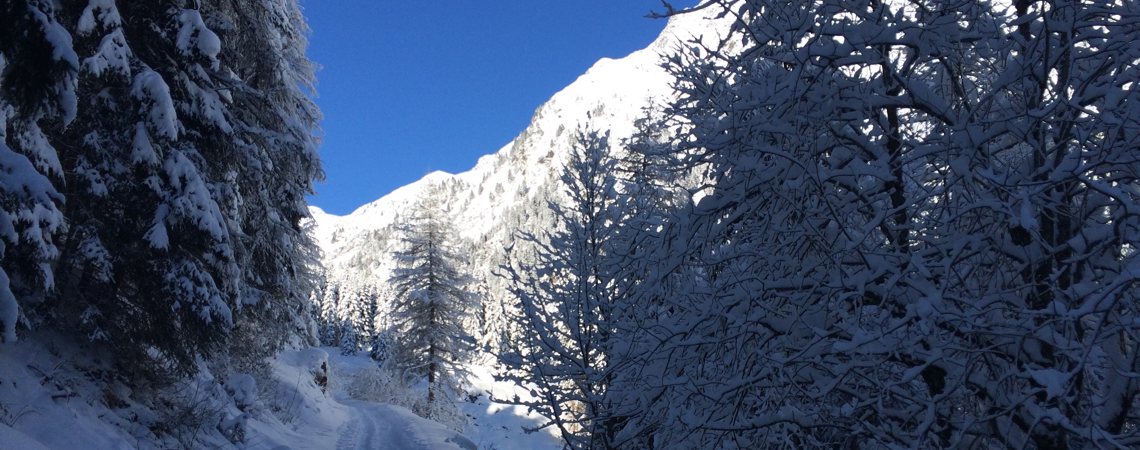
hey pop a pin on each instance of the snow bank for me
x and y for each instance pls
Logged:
(47, 404)
(501, 426)
(490, 425)
(55, 396)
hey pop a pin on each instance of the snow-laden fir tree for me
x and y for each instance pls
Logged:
(328, 322)
(189, 146)
(381, 347)
(562, 279)
(349, 338)
(432, 298)
(37, 90)
(147, 257)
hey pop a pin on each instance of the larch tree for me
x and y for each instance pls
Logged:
(432, 298)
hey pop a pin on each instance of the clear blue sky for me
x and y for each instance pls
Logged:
(408, 87)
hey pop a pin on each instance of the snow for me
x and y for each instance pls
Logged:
(333, 420)
(45, 389)
(149, 87)
(15, 439)
(64, 51)
(193, 200)
(58, 37)
(141, 149)
(501, 426)
(40, 150)
(207, 103)
(396, 428)
(41, 398)
(102, 10)
(156, 235)
(112, 54)
(193, 35)
(243, 388)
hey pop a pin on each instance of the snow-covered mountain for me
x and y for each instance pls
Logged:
(611, 95)
(505, 192)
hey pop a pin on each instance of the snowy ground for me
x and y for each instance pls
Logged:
(489, 425)
(498, 426)
(49, 400)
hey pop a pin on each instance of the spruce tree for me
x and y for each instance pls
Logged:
(188, 140)
(37, 96)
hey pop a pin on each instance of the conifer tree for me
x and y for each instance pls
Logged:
(189, 146)
(432, 299)
(37, 98)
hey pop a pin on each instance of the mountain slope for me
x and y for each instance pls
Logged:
(611, 95)
(506, 191)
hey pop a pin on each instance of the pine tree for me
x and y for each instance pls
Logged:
(432, 299)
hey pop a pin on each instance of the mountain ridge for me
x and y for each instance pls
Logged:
(503, 194)
(644, 66)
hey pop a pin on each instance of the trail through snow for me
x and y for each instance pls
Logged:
(379, 426)
(48, 403)
(358, 424)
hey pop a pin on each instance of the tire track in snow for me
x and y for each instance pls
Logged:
(348, 434)
(369, 440)
(378, 426)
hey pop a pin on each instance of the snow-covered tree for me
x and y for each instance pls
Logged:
(432, 300)
(1061, 141)
(271, 166)
(381, 348)
(878, 257)
(188, 146)
(562, 280)
(38, 67)
(349, 338)
(328, 322)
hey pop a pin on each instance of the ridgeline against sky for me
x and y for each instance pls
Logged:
(409, 88)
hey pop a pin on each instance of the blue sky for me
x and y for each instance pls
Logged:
(408, 87)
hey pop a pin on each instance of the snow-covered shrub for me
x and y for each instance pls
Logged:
(444, 410)
(300, 378)
(382, 347)
(198, 413)
(243, 389)
(375, 384)
(383, 385)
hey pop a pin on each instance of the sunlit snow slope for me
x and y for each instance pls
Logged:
(506, 192)
(611, 95)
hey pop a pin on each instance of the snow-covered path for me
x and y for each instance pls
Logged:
(379, 426)
(293, 412)
(333, 420)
